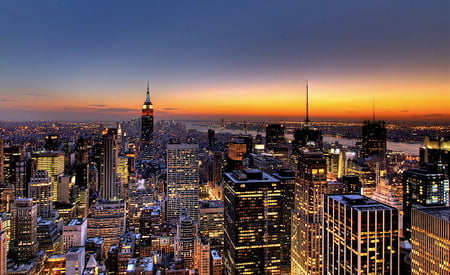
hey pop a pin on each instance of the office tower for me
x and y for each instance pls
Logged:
(23, 245)
(74, 233)
(435, 150)
(423, 187)
(55, 265)
(49, 236)
(217, 175)
(2, 177)
(275, 137)
(374, 139)
(40, 190)
(126, 251)
(216, 263)
(51, 142)
(107, 220)
(53, 163)
(239, 147)
(335, 163)
(65, 185)
(252, 227)
(110, 184)
(182, 180)
(184, 240)
(211, 140)
(211, 218)
(366, 175)
(266, 163)
(360, 236)
(147, 127)
(310, 186)
(430, 241)
(81, 163)
(287, 180)
(15, 170)
(75, 260)
(202, 256)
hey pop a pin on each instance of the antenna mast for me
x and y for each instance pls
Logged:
(307, 104)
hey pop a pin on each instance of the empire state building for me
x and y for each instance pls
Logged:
(147, 127)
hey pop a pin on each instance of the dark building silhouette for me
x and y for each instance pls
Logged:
(51, 142)
(147, 127)
(275, 136)
(374, 139)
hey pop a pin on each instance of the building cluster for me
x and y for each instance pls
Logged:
(145, 198)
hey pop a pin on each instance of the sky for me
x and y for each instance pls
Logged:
(242, 60)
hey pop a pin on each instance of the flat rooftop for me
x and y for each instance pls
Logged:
(441, 212)
(360, 202)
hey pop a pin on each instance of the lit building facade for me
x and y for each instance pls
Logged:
(252, 223)
(360, 236)
(184, 240)
(24, 245)
(74, 233)
(373, 139)
(275, 137)
(430, 241)
(53, 163)
(147, 127)
(40, 190)
(182, 180)
(310, 186)
(110, 183)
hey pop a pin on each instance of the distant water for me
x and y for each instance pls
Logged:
(409, 148)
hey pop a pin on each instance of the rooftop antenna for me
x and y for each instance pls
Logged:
(307, 105)
(148, 91)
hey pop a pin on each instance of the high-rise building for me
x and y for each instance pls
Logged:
(430, 241)
(360, 236)
(310, 186)
(182, 180)
(3, 248)
(147, 127)
(184, 240)
(202, 256)
(74, 233)
(53, 163)
(239, 147)
(51, 142)
(435, 150)
(423, 187)
(110, 184)
(216, 263)
(275, 137)
(107, 220)
(374, 139)
(287, 180)
(40, 190)
(24, 245)
(252, 228)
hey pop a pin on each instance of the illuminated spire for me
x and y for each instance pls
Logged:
(147, 98)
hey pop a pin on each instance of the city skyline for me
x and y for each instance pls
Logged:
(213, 60)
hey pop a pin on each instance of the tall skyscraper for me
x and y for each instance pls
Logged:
(423, 187)
(110, 184)
(40, 190)
(252, 228)
(360, 236)
(53, 163)
(374, 139)
(24, 245)
(310, 186)
(2, 177)
(275, 137)
(51, 142)
(182, 180)
(184, 240)
(430, 241)
(147, 127)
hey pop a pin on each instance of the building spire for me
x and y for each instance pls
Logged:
(373, 109)
(307, 104)
(147, 98)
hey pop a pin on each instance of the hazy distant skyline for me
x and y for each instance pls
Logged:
(90, 60)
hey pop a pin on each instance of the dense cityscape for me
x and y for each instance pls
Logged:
(224, 137)
(223, 197)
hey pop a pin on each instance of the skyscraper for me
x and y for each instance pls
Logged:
(423, 187)
(184, 240)
(2, 177)
(360, 236)
(374, 139)
(182, 180)
(110, 184)
(310, 186)
(24, 245)
(430, 241)
(53, 163)
(252, 228)
(275, 136)
(40, 190)
(147, 127)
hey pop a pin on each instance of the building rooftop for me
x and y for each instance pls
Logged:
(359, 202)
(74, 222)
(249, 176)
(441, 212)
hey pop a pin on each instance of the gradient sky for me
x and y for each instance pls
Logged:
(90, 60)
